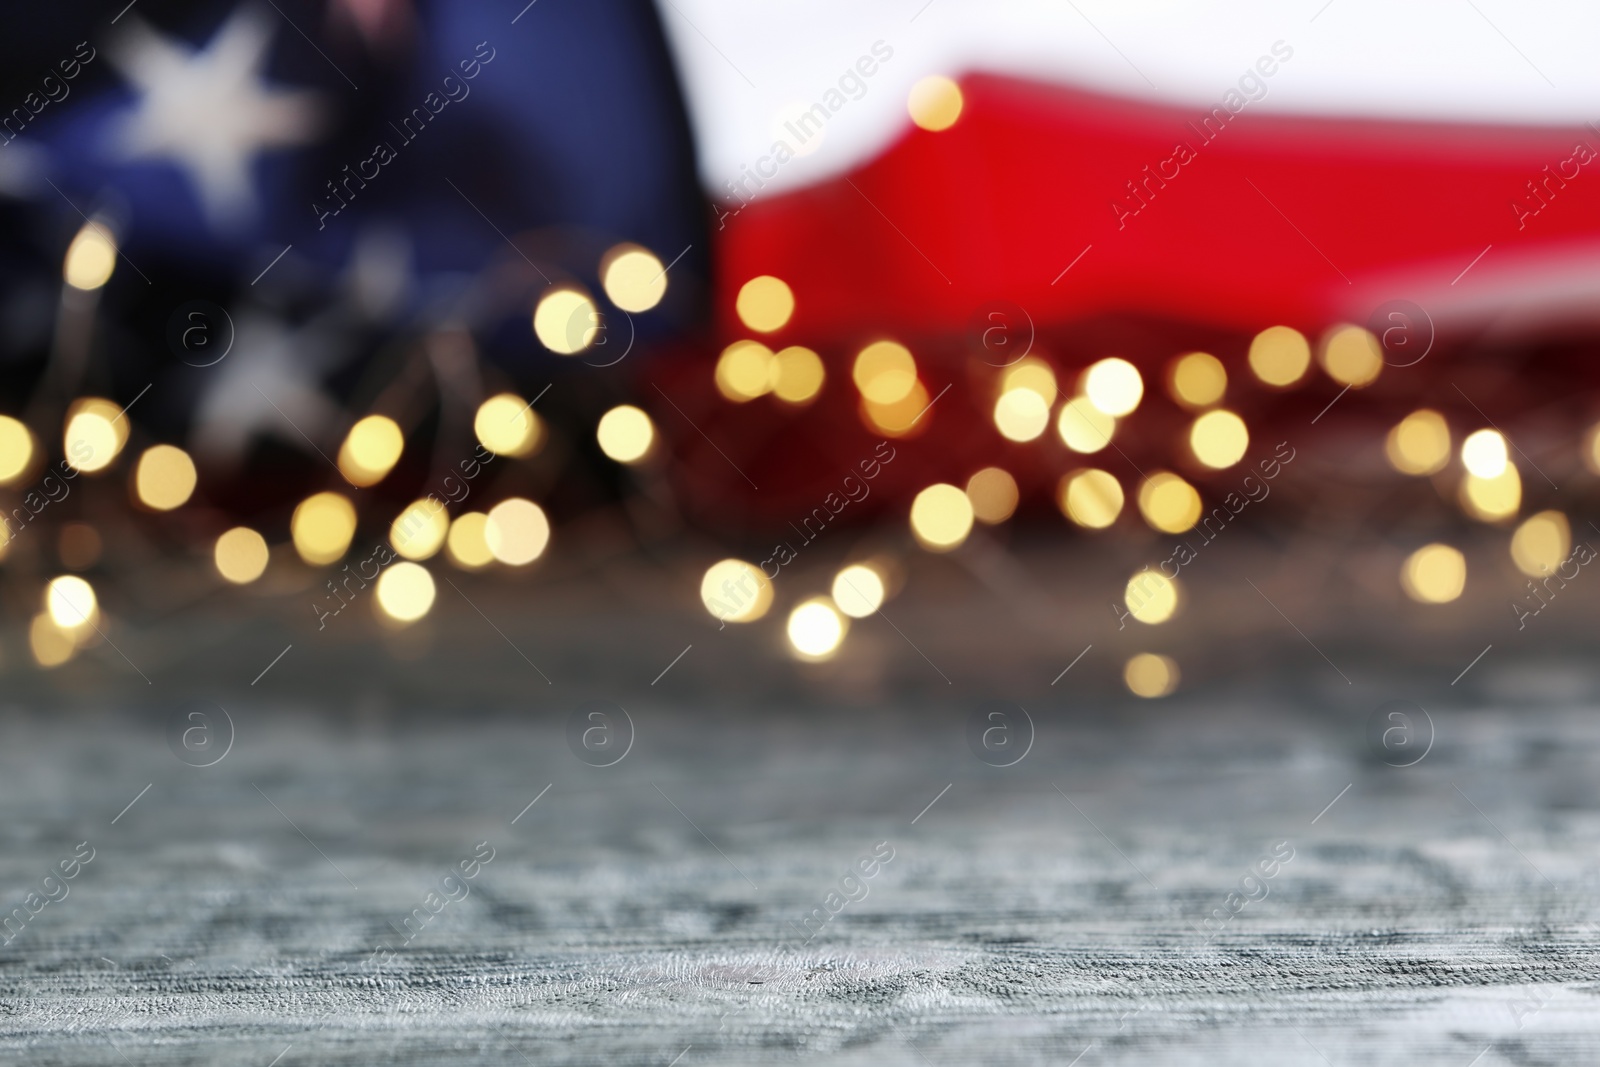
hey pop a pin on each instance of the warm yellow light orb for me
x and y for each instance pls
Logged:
(765, 304)
(994, 496)
(71, 603)
(370, 450)
(165, 477)
(241, 555)
(565, 320)
(96, 431)
(1219, 438)
(1021, 415)
(322, 526)
(1351, 356)
(633, 277)
(935, 103)
(1484, 453)
(816, 629)
(858, 590)
(797, 374)
(1151, 597)
(1091, 498)
(50, 644)
(885, 372)
(1541, 543)
(91, 257)
(405, 592)
(1113, 386)
(1419, 443)
(467, 544)
(1197, 380)
(517, 531)
(625, 433)
(1031, 373)
(941, 517)
(506, 425)
(1492, 499)
(903, 418)
(744, 371)
(1279, 355)
(16, 449)
(1434, 574)
(1168, 503)
(1150, 676)
(735, 591)
(1084, 427)
(419, 531)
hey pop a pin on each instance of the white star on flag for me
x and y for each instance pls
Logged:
(209, 112)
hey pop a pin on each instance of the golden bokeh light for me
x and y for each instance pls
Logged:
(241, 555)
(884, 372)
(95, 432)
(994, 495)
(941, 517)
(1492, 499)
(797, 374)
(765, 304)
(1434, 574)
(633, 277)
(1219, 439)
(1021, 415)
(735, 591)
(517, 531)
(566, 320)
(1280, 355)
(467, 544)
(322, 526)
(16, 449)
(1084, 427)
(165, 478)
(1150, 676)
(50, 644)
(816, 629)
(1419, 443)
(1351, 356)
(625, 433)
(744, 371)
(1168, 503)
(370, 450)
(1090, 498)
(1591, 449)
(858, 590)
(1197, 380)
(91, 257)
(71, 603)
(1541, 543)
(935, 103)
(405, 592)
(1113, 386)
(507, 426)
(1151, 597)
(1033, 374)
(904, 417)
(419, 531)
(1484, 454)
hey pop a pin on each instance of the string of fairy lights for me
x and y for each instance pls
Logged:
(891, 400)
